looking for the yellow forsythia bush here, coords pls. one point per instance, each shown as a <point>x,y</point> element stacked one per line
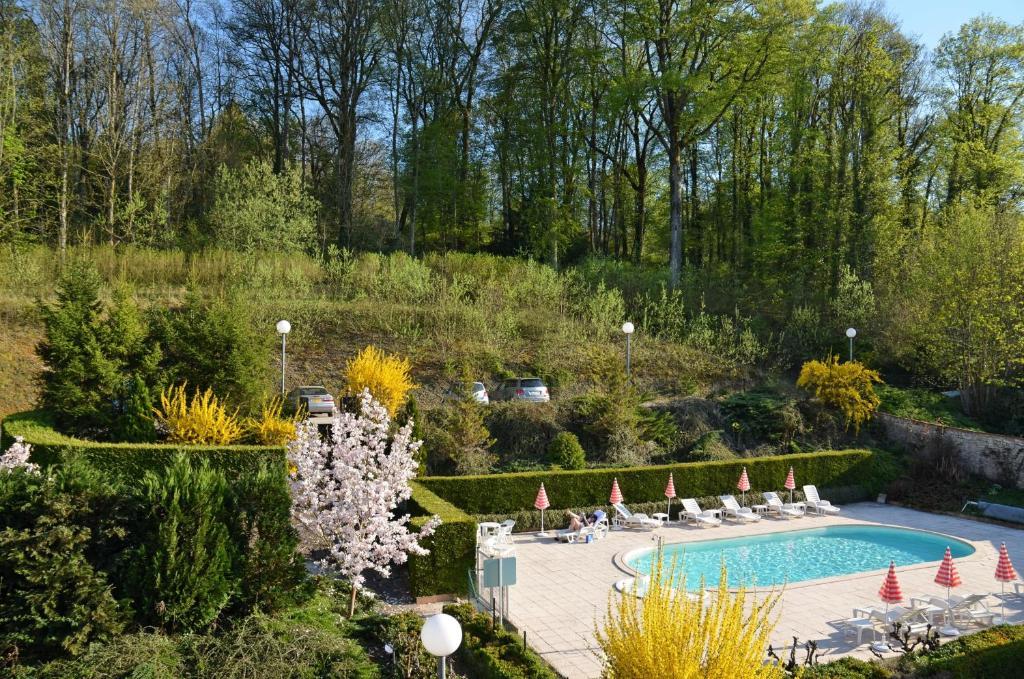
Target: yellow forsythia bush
<point>387,377</point>
<point>271,428</point>
<point>203,420</point>
<point>845,386</point>
<point>669,634</point>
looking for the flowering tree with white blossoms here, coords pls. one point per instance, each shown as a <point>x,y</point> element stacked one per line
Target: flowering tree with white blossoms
<point>17,457</point>
<point>346,487</point>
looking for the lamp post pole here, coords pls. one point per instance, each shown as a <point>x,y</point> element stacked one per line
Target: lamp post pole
<point>851,333</point>
<point>627,328</point>
<point>283,328</point>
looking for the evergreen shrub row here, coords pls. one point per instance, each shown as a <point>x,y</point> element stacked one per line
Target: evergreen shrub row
<point>445,570</point>
<point>506,493</point>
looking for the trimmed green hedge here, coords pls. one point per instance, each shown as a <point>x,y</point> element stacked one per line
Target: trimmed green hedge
<point>505,493</point>
<point>128,461</point>
<point>445,570</point>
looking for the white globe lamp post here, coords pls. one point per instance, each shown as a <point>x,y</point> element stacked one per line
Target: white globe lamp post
<point>441,636</point>
<point>851,333</point>
<point>283,328</point>
<point>627,328</point>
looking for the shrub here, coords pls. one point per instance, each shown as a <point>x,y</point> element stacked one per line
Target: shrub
<point>459,440</point>
<point>402,632</point>
<point>271,428</point>
<point>204,420</point>
<point>501,493</point>
<point>213,344</point>
<point>387,377</point>
<point>522,431</point>
<point>445,568</point>
<point>847,387</point>
<point>761,415</point>
<point>269,566</point>
<point>135,424</point>
<point>667,634</point>
<point>54,530</point>
<point>566,452</point>
<point>182,573</point>
<point>489,652</point>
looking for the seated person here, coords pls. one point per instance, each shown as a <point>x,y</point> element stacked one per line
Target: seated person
<point>576,522</point>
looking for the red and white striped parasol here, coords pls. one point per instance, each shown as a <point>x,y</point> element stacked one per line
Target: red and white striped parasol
<point>616,496</point>
<point>670,492</point>
<point>947,575</point>
<point>1004,569</point>
<point>542,503</point>
<point>743,485</point>
<point>1004,574</point>
<point>890,592</point>
<point>790,484</point>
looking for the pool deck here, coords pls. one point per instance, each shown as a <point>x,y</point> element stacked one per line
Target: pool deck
<point>563,589</point>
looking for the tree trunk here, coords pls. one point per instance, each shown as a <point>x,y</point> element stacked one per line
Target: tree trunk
<point>675,181</point>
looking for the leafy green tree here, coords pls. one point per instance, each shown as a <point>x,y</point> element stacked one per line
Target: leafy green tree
<point>958,308</point>
<point>255,209</point>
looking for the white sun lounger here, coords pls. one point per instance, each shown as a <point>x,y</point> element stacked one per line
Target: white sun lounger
<point>965,610</point>
<point>732,508</point>
<point>816,503</point>
<point>701,517</point>
<point>784,511</point>
<point>631,520</point>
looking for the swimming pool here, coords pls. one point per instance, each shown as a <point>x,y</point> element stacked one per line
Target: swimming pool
<point>799,555</point>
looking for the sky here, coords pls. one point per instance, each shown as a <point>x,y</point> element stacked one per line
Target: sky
<point>931,19</point>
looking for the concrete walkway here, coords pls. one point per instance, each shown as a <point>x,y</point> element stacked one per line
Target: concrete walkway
<point>563,590</point>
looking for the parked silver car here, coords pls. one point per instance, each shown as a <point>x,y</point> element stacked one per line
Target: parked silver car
<point>315,400</point>
<point>474,390</point>
<point>530,389</point>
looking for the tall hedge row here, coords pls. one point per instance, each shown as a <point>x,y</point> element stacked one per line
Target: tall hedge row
<point>445,570</point>
<point>505,493</point>
<point>130,461</point>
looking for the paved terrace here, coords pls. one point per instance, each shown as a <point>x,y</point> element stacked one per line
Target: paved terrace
<point>563,589</point>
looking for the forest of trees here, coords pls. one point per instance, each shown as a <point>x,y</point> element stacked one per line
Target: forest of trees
<point>749,134</point>
<point>802,158</point>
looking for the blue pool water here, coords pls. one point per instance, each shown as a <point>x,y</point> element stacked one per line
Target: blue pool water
<point>795,556</point>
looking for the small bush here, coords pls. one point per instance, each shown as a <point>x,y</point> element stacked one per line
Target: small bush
<point>271,428</point>
<point>204,420</point>
<point>387,377</point>
<point>847,387</point>
<point>566,452</point>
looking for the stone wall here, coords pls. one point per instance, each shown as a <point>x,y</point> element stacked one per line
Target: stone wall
<point>998,458</point>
